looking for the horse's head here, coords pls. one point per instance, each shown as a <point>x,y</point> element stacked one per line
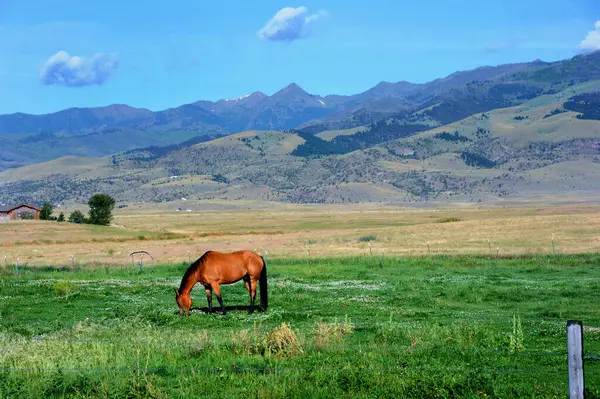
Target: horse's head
<point>184,301</point>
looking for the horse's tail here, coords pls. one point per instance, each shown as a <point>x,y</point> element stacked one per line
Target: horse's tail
<point>262,281</point>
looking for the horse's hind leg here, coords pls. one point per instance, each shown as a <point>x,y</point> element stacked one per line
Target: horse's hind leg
<point>252,295</point>
<point>247,283</point>
<point>217,289</point>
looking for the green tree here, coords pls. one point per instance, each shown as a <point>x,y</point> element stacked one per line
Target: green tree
<point>61,217</point>
<point>46,211</point>
<point>77,217</point>
<point>101,206</point>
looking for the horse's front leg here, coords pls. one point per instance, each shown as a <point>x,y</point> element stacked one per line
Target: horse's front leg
<point>217,289</point>
<point>209,297</point>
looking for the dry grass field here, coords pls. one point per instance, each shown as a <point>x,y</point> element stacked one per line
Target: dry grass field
<point>285,230</point>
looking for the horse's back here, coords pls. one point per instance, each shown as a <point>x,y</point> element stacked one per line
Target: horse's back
<point>243,256</point>
<point>233,265</point>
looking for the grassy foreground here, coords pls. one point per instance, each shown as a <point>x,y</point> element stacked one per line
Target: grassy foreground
<point>420,327</point>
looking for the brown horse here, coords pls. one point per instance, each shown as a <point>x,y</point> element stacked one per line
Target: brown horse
<point>215,268</point>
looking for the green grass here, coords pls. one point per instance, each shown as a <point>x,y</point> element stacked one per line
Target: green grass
<point>420,327</point>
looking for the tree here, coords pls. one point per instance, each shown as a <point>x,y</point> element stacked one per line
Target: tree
<point>46,211</point>
<point>101,206</point>
<point>61,217</point>
<point>77,217</point>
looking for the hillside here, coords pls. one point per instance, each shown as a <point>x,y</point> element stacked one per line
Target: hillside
<point>548,145</point>
<point>101,131</point>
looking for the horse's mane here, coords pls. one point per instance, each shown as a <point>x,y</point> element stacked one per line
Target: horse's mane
<point>192,269</point>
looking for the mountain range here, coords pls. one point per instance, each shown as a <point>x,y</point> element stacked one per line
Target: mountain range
<point>291,107</point>
<point>104,130</point>
<point>461,135</point>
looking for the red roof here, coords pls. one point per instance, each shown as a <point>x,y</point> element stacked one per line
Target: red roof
<point>12,208</point>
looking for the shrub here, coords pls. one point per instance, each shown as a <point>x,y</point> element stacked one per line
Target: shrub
<point>326,333</point>
<point>198,347</point>
<point>46,211</point>
<point>77,217</point>
<point>101,206</point>
<point>249,341</point>
<point>451,137</point>
<point>367,238</point>
<point>448,220</point>
<point>587,104</point>
<point>283,341</point>
<point>220,179</point>
<point>63,288</point>
<point>554,112</point>
<point>477,160</point>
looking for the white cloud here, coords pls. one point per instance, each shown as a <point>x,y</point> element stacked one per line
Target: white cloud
<point>592,41</point>
<point>72,71</point>
<point>289,24</point>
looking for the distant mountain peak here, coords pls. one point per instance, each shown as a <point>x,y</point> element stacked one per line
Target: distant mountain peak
<point>257,95</point>
<point>292,85</point>
<point>385,83</point>
<point>291,88</point>
<point>238,98</point>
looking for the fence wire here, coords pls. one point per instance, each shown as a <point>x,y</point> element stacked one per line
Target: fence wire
<point>217,370</point>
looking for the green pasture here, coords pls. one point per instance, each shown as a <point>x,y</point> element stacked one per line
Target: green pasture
<point>418,327</point>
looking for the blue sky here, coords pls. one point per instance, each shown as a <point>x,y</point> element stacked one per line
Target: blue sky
<point>160,54</point>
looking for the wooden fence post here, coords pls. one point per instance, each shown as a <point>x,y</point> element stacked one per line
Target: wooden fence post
<point>575,358</point>
<point>382,257</point>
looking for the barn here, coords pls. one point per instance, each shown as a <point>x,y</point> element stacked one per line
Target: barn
<point>21,211</point>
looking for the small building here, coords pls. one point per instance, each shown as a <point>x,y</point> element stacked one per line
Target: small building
<point>21,211</point>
